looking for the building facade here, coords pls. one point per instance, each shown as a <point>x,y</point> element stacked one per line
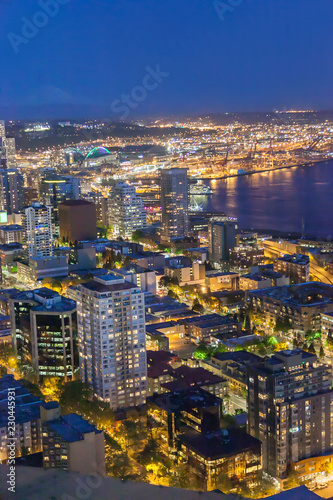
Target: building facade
<point>43,329</point>
<point>72,443</point>
<point>296,266</point>
<point>12,233</point>
<point>112,343</point>
<point>37,222</point>
<point>126,210</point>
<point>221,237</point>
<point>302,304</point>
<point>11,190</point>
<point>77,220</point>
<point>290,408</point>
<point>174,203</point>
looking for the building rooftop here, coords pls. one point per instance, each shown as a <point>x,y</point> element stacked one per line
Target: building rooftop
<point>193,320</point>
<point>9,247</point>
<point>159,326</point>
<point>75,203</point>
<point>100,287</point>
<point>71,428</point>
<point>283,363</point>
<point>160,357</point>
<point>223,320</point>
<point>11,227</point>
<point>238,357</point>
<point>185,399</point>
<point>330,314</point>
<point>216,274</point>
<point>45,300</point>
<point>196,376</point>
<point>27,406</point>
<point>298,258</point>
<point>223,443</point>
<point>313,293</point>
<point>131,269</point>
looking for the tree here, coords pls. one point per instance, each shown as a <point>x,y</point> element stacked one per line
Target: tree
<point>33,388</point>
<point>202,352</point>
<point>270,341</point>
<point>311,348</point>
<point>120,466</point>
<point>247,323</point>
<point>52,388</point>
<point>75,393</point>
<point>137,236</point>
<point>321,352</point>
<point>173,294</point>
<point>292,480</point>
<point>164,282</point>
<point>283,325</point>
<point>221,348</point>
<point>197,307</point>
<point>48,282</point>
<point>127,260</point>
<point>224,483</point>
<point>57,286</point>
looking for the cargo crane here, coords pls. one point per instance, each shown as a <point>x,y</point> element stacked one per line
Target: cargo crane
<point>226,156</point>
<point>314,143</point>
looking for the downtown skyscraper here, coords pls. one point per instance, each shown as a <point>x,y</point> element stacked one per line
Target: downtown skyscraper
<point>112,340</point>
<point>37,222</point>
<point>174,203</point>
<point>126,210</point>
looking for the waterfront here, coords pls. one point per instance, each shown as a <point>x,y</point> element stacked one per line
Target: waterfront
<point>278,200</point>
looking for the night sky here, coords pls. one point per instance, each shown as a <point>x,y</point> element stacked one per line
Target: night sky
<point>257,55</point>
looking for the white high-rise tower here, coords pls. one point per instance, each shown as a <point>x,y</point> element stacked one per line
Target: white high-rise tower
<point>38,231</point>
<point>112,340</point>
<point>126,210</point>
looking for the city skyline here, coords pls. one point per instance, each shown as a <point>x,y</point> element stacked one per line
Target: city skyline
<point>166,250</point>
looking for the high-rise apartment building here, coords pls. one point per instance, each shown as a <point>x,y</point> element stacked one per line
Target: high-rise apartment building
<point>55,189</point>
<point>101,203</point>
<point>290,408</point>
<point>3,154</point>
<point>43,328</point>
<point>37,221</point>
<point>11,190</point>
<point>222,238</point>
<point>7,148</point>
<point>2,128</point>
<point>11,151</point>
<point>112,341</point>
<point>126,210</point>
<point>174,203</point>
